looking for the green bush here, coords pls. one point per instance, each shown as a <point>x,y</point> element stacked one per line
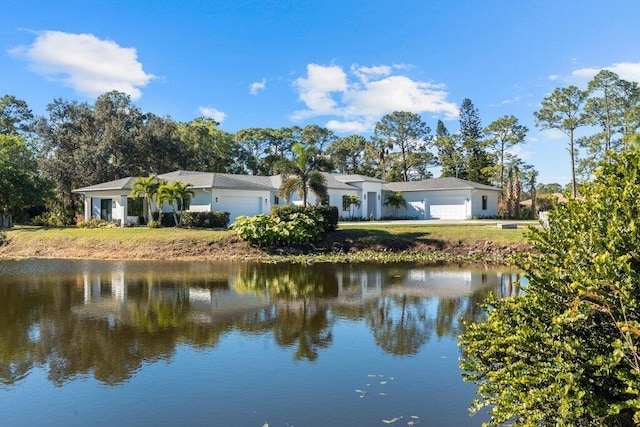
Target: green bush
<point>153,224</point>
<point>167,219</point>
<point>566,352</point>
<point>266,231</point>
<point>205,219</point>
<point>3,238</point>
<point>326,215</point>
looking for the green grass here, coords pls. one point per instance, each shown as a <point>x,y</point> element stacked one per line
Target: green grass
<point>141,234</point>
<point>464,233</point>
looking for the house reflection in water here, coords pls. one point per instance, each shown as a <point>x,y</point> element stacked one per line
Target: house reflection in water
<point>355,284</point>
<point>108,297</point>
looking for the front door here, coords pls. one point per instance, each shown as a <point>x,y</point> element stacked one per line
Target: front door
<point>371,205</point>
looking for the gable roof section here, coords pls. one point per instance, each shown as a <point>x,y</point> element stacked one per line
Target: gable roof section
<point>437,184</point>
<point>347,178</point>
<point>219,180</point>
<point>118,184</point>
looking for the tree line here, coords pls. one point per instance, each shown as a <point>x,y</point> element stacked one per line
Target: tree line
<point>77,144</point>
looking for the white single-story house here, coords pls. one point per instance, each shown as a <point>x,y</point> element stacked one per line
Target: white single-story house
<point>436,198</point>
<point>445,198</point>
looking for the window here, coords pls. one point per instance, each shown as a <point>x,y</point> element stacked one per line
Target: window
<point>346,203</point>
<point>484,203</point>
<point>134,207</point>
<point>276,200</point>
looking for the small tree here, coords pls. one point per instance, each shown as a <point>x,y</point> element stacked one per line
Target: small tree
<point>396,201</point>
<point>183,195</point>
<point>146,188</point>
<point>176,193</point>
<point>300,175</point>
<point>352,202</point>
<point>565,352</point>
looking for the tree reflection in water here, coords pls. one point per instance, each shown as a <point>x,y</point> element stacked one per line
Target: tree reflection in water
<point>108,323</point>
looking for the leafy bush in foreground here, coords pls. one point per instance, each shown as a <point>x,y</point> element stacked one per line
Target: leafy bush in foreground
<point>566,351</point>
<point>327,215</point>
<point>272,231</point>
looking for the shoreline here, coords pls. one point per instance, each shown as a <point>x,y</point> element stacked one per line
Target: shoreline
<point>346,245</point>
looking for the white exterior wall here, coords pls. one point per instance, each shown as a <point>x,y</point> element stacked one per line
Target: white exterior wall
<point>492,204</point>
<point>201,201</point>
<point>221,201</point>
<point>421,204</point>
<point>335,199</point>
<point>367,189</point>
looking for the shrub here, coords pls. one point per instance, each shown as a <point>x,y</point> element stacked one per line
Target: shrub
<point>205,219</point>
<point>153,224</point>
<point>298,228</point>
<point>326,215</point>
<point>167,220</point>
<point>3,238</point>
<point>566,351</point>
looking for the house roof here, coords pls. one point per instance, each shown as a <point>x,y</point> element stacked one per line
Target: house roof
<point>272,183</point>
<point>346,178</point>
<point>220,180</point>
<point>118,184</point>
<point>436,184</point>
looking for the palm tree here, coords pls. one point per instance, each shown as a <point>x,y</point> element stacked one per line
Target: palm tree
<point>300,176</point>
<point>183,195</point>
<point>146,188</point>
<point>396,201</point>
<point>175,192</point>
<point>352,202</point>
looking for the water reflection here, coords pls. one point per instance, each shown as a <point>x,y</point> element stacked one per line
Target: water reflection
<point>106,320</point>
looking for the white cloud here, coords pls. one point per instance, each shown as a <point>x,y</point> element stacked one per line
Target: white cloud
<point>87,64</point>
<point>211,112</point>
<point>348,127</point>
<point>316,90</point>
<point>626,70</point>
<point>371,93</point>
<point>553,77</point>
<point>520,151</point>
<point>256,87</point>
<point>367,73</point>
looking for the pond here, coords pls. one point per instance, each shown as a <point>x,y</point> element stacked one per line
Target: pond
<point>236,344</point>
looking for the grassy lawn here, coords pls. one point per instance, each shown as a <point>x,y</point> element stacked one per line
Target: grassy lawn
<point>142,234</point>
<point>176,243</point>
<point>454,233</point>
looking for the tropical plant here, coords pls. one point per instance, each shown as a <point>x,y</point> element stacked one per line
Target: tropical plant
<point>174,193</point>
<point>396,201</point>
<point>565,352</point>
<point>352,202</point>
<point>146,188</point>
<point>300,176</point>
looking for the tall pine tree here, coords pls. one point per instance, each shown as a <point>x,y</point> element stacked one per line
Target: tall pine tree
<point>477,159</point>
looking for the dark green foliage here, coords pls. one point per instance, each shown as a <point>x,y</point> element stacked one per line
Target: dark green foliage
<point>205,219</point>
<point>328,215</point>
<point>287,226</point>
<point>269,231</point>
<point>166,220</point>
<point>566,351</point>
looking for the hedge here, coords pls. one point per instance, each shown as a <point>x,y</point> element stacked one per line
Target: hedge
<point>205,219</point>
<point>196,219</point>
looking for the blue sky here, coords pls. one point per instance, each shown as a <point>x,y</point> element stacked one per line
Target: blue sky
<point>339,64</point>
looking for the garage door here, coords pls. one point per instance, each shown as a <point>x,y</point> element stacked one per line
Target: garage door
<point>237,206</point>
<point>447,208</point>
